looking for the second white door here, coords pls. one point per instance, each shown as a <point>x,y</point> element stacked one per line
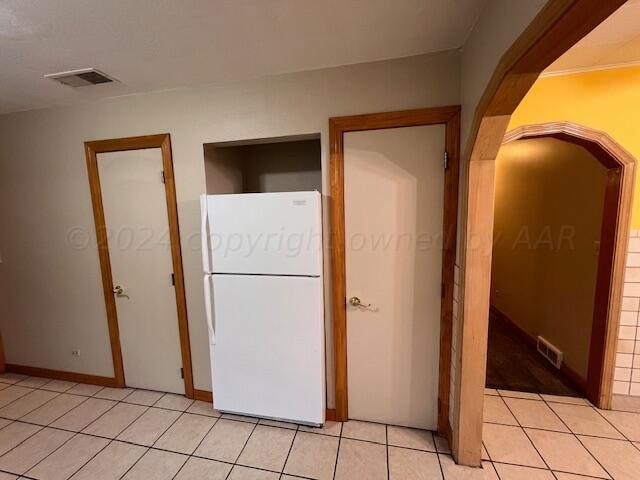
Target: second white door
<point>135,208</point>
<point>394,194</point>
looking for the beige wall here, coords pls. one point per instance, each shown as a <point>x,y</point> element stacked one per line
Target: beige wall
<point>548,216</point>
<point>499,25</point>
<point>50,290</point>
<point>283,167</point>
<point>223,170</point>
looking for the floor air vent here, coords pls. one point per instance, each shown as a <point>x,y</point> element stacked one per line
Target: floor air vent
<point>81,78</point>
<point>548,351</point>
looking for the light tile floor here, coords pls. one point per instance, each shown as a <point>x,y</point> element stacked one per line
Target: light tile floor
<point>53,430</point>
<point>530,436</point>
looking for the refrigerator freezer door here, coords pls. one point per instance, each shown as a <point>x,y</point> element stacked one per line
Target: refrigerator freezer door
<point>268,359</point>
<point>266,233</point>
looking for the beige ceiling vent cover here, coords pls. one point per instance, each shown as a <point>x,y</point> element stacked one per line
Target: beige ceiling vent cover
<point>81,78</point>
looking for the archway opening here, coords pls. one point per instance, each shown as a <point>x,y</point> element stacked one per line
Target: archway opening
<point>561,217</point>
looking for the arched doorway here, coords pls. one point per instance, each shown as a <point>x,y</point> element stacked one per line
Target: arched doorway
<point>558,27</point>
<point>619,168</point>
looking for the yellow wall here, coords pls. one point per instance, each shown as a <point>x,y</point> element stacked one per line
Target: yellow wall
<point>607,100</point>
<point>547,220</point>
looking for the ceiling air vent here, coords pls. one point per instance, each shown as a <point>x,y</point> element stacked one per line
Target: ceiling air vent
<point>81,78</point>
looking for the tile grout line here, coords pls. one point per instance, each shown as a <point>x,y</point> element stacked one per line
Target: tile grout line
<point>593,456</point>
<point>525,433</point>
<point>41,428</point>
<point>570,432</point>
<point>115,439</point>
<point>33,410</point>
<point>242,450</point>
<point>150,447</point>
<point>578,438</point>
<point>153,405</point>
<point>624,437</point>
<point>48,455</point>
<point>635,352</point>
<point>433,437</point>
<point>556,431</point>
<point>545,470</point>
<point>30,411</point>
<point>486,450</point>
<point>146,409</point>
<point>75,433</point>
<point>81,466</point>
<point>111,440</point>
<point>192,454</point>
<point>289,452</point>
<point>335,467</point>
<point>386,441</point>
<point>87,398</point>
<point>17,398</point>
<point>183,412</point>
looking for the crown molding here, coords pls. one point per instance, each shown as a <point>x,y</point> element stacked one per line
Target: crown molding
<point>595,68</point>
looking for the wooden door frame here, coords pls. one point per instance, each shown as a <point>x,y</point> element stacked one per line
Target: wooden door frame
<point>162,141</point>
<point>559,25</point>
<point>338,126</point>
<point>614,238</point>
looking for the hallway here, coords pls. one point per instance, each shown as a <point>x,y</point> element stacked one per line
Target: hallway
<point>513,364</point>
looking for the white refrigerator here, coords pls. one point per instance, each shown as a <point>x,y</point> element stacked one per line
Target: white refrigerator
<point>262,259</point>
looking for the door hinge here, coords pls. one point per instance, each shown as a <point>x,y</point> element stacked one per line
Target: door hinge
<point>164,180</point>
<point>446,160</point>
<point>181,372</point>
<point>173,279</point>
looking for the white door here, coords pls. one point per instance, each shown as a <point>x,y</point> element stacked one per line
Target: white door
<point>135,209</point>
<point>394,197</point>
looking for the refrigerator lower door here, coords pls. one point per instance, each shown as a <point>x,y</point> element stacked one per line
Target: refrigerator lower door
<point>208,307</point>
<point>268,359</point>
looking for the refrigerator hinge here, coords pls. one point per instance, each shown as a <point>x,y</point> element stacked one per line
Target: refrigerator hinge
<point>173,279</point>
<point>164,180</point>
<point>446,159</point>
<point>181,372</point>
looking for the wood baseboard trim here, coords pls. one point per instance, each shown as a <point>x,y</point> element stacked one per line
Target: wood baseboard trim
<point>330,415</point>
<point>61,375</point>
<point>567,372</point>
<point>571,375</point>
<point>448,435</point>
<point>203,395</point>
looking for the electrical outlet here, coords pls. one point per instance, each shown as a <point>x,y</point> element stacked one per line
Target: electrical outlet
<point>75,353</point>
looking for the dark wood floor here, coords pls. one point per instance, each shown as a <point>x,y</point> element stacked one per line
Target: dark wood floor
<point>513,364</point>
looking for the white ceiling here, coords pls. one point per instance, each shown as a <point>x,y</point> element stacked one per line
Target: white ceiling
<point>159,44</point>
<point>614,42</point>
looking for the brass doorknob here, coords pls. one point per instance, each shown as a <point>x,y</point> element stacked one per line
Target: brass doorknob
<point>356,302</point>
<point>118,290</point>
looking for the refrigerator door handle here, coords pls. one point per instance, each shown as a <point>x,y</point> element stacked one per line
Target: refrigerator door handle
<point>208,309</point>
<point>204,233</point>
